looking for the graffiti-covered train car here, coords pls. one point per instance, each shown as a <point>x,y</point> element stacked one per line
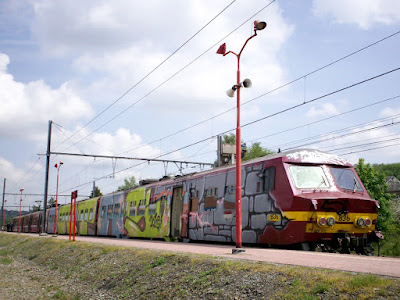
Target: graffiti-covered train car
<point>299,198</point>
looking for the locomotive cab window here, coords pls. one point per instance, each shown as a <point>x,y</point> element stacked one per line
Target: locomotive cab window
<point>309,177</point>
<point>346,179</point>
<point>269,179</point>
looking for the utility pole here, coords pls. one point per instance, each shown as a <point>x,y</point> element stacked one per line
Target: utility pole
<point>46,179</point>
<point>2,204</point>
<point>94,189</point>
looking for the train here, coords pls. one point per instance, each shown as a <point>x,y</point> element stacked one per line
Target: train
<point>302,199</point>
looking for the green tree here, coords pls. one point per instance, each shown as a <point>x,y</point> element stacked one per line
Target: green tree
<point>97,192</point>
<point>51,202</point>
<point>229,139</point>
<point>129,183</point>
<point>388,169</point>
<point>374,182</point>
<point>256,150</point>
<point>35,208</point>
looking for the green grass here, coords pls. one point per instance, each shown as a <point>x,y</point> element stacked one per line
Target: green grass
<point>5,261</point>
<point>132,273</point>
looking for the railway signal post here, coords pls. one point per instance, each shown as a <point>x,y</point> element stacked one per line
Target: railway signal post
<point>246,83</point>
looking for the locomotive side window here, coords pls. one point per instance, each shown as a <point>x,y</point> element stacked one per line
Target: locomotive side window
<point>229,197</point>
<point>269,179</point>
<point>142,207</point>
<point>346,179</point>
<point>308,177</point>
<point>194,198</point>
<point>132,210</point>
<point>116,209</point>
<point>210,200</point>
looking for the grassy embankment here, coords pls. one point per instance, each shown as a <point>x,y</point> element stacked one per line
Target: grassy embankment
<point>129,273</point>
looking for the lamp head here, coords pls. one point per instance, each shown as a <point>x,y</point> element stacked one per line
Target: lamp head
<point>222,49</point>
<point>259,25</point>
<point>231,91</point>
<point>55,166</point>
<point>247,83</point>
<point>21,190</point>
<point>61,163</point>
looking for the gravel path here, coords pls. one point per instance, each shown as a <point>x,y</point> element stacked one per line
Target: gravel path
<point>387,266</point>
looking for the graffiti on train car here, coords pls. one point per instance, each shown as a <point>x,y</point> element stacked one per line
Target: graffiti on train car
<point>146,213</point>
<point>215,218</point>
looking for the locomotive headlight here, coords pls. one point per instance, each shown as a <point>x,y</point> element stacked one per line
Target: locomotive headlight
<point>367,222</point>
<point>322,221</point>
<point>360,222</point>
<point>330,221</point>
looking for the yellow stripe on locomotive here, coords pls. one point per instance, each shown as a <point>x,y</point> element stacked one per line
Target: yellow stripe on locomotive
<point>332,222</point>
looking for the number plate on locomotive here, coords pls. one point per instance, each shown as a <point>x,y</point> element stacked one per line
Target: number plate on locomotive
<point>273,217</point>
<point>344,218</point>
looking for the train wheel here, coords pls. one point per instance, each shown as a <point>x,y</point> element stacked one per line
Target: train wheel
<point>308,246</point>
<point>327,247</point>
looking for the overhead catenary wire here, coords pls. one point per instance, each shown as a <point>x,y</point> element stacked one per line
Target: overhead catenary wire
<point>172,76</point>
<point>148,74</point>
<point>263,118</point>
<point>325,119</point>
<point>270,91</point>
<point>186,66</point>
<point>308,140</point>
<point>370,149</point>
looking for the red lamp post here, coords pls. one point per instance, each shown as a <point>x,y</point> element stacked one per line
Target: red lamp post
<point>246,83</point>
<point>19,219</point>
<point>4,215</point>
<point>55,217</point>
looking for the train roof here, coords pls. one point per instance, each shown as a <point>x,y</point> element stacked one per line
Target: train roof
<point>302,156</point>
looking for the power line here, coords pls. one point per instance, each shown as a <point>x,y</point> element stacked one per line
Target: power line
<point>368,144</point>
<point>129,158</point>
<point>175,74</point>
<point>370,149</point>
<point>270,91</point>
<point>370,123</point>
<point>321,97</point>
<point>263,118</point>
<point>345,135</point>
<point>325,119</point>
<point>38,194</point>
<point>141,80</point>
<point>170,76</point>
<point>26,173</point>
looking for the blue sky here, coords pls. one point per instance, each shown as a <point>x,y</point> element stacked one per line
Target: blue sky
<point>67,61</point>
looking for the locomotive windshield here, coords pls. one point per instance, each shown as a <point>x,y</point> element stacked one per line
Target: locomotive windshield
<point>308,177</point>
<point>346,179</point>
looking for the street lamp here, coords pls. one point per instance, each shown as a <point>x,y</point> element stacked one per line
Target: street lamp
<point>4,215</point>
<point>258,25</point>
<point>58,175</point>
<point>19,219</point>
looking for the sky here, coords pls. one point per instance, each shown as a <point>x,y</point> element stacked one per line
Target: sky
<point>142,79</point>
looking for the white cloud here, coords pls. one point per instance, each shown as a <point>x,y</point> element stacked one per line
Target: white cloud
<point>112,45</point>
<point>326,109</point>
<point>363,13</point>
<point>390,112</point>
<point>26,108</point>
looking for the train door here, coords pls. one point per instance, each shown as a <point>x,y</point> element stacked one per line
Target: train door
<point>176,212</point>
